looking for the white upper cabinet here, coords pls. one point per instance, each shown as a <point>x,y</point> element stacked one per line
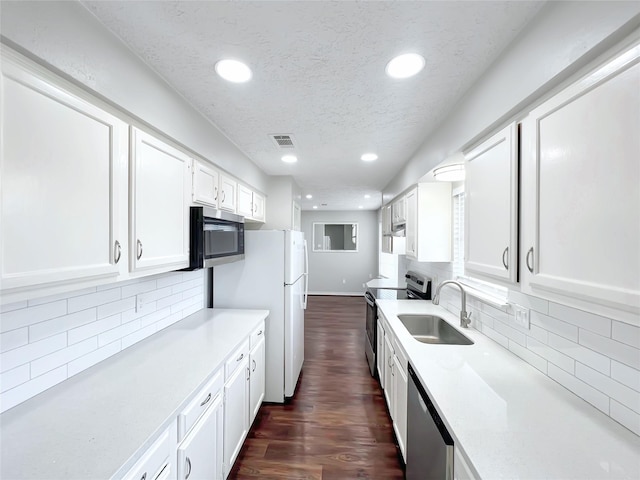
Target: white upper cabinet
<point>491,207</point>
<point>250,204</point>
<point>63,184</point>
<point>205,184</point>
<point>161,186</point>
<point>581,172</point>
<point>428,227</point>
<point>228,188</point>
<point>398,212</point>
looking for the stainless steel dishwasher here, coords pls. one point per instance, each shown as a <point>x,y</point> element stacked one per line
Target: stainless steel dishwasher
<point>429,445</point>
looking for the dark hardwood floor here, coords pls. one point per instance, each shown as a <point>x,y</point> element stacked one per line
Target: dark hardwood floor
<point>336,426</point>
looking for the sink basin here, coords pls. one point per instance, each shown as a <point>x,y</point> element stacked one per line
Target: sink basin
<point>433,329</point>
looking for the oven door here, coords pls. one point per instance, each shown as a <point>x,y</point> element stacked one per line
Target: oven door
<point>371,327</point>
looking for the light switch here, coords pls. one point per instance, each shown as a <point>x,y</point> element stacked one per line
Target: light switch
<point>521,316</point>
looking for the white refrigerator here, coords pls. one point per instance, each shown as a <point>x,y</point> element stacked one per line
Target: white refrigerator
<point>273,276</point>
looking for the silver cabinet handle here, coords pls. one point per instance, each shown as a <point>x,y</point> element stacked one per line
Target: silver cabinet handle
<point>240,357</point>
<point>215,189</point>
<point>223,195</point>
<point>504,258</point>
<point>248,373</point>
<point>259,333</point>
<point>117,252</point>
<point>530,255</point>
<point>188,464</point>
<point>144,476</point>
<point>206,400</point>
<point>254,366</point>
<point>139,249</point>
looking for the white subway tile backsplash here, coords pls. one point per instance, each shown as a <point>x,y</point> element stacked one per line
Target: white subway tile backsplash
<point>28,316</point>
<point>116,307</point>
<point>495,313</point>
<point>495,336</point>
<point>20,356</point>
<point>86,361</point>
<point>528,356</point>
<point>611,348</point>
<point>46,340</point>
<point>585,355</point>
<point>580,388</point>
<point>14,377</point>
<point>29,389</point>
<point>528,301</point>
<point>511,333</point>
<point>116,333</point>
<point>554,356</point>
<point>625,395</point>
<point>60,296</point>
<point>137,288</point>
<point>14,339</point>
<point>92,329</point>
<point>580,318</point>
<point>625,333</point>
<point>62,357</point>
<point>48,328</point>
<point>554,325</point>
<point>625,416</point>
<point>93,299</point>
<point>625,375</point>
<point>539,333</point>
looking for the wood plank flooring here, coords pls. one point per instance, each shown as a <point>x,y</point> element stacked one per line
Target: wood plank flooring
<point>337,425</point>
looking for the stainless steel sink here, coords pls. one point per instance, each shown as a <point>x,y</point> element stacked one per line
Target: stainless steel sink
<point>433,329</point>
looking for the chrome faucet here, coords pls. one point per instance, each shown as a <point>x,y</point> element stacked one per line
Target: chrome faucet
<point>465,318</point>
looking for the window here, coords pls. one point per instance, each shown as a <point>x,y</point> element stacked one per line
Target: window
<point>458,233</point>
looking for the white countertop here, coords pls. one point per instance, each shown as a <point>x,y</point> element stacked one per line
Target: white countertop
<point>509,419</point>
<point>386,283</point>
<point>91,425</point>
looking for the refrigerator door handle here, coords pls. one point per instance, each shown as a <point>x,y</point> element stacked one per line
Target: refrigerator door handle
<point>306,275</point>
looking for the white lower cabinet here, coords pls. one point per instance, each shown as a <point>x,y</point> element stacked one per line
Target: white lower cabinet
<point>400,388</point>
<point>388,373</point>
<point>380,352</point>
<point>155,463</point>
<point>236,412</point>
<point>200,453</point>
<point>256,378</point>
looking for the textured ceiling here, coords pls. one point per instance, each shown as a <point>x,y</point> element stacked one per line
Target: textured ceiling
<point>318,74</point>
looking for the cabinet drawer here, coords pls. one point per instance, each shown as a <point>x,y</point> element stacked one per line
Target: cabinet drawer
<point>154,464</point>
<point>235,359</point>
<point>199,404</point>
<point>257,335</point>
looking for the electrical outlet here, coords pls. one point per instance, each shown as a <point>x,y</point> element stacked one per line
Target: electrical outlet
<point>521,316</point>
<point>139,303</point>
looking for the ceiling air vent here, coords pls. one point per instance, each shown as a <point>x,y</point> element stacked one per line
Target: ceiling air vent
<point>283,140</point>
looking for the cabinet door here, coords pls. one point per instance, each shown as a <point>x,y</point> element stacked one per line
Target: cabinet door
<point>62,182</point>
<point>159,211</point>
<point>582,200</point>
<point>411,229</point>
<point>380,353</point>
<point>245,201</point>
<point>199,455</point>
<point>400,385</point>
<point>155,463</point>
<point>205,184</point>
<point>236,413</point>
<point>388,374</point>
<point>227,193</point>
<point>258,207</point>
<point>386,219</point>
<point>398,210</point>
<point>491,207</point>
<point>257,378</point>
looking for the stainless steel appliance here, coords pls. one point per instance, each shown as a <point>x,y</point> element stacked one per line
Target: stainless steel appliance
<point>429,445</point>
<point>418,288</point>
<point>215,237</point>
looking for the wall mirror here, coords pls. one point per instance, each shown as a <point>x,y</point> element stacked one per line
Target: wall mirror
<point>335,237</point>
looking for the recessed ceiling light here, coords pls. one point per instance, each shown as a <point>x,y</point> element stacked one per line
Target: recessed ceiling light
<point>233,71</point>
<point>315,206</point>
<point>369,157</point>
<point>367,196</point>
<point>309,195</point>
<point>405,66</point>
<point>360,206</point>
<point>289,159</point>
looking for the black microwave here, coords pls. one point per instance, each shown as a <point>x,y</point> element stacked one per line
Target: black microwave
<point>215,237</point>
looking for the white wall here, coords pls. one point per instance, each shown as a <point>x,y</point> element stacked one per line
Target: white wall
<point>44,341</point>
<point>327,270</point>
<point>66,36</point>
<point>563,37</point>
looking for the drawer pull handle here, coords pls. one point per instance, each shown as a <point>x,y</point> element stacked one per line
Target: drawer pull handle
<point>160,472</point>
<point>188,461</point>
<point>144,476</point>
<point>206,400</point>
<point>240,357</point>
